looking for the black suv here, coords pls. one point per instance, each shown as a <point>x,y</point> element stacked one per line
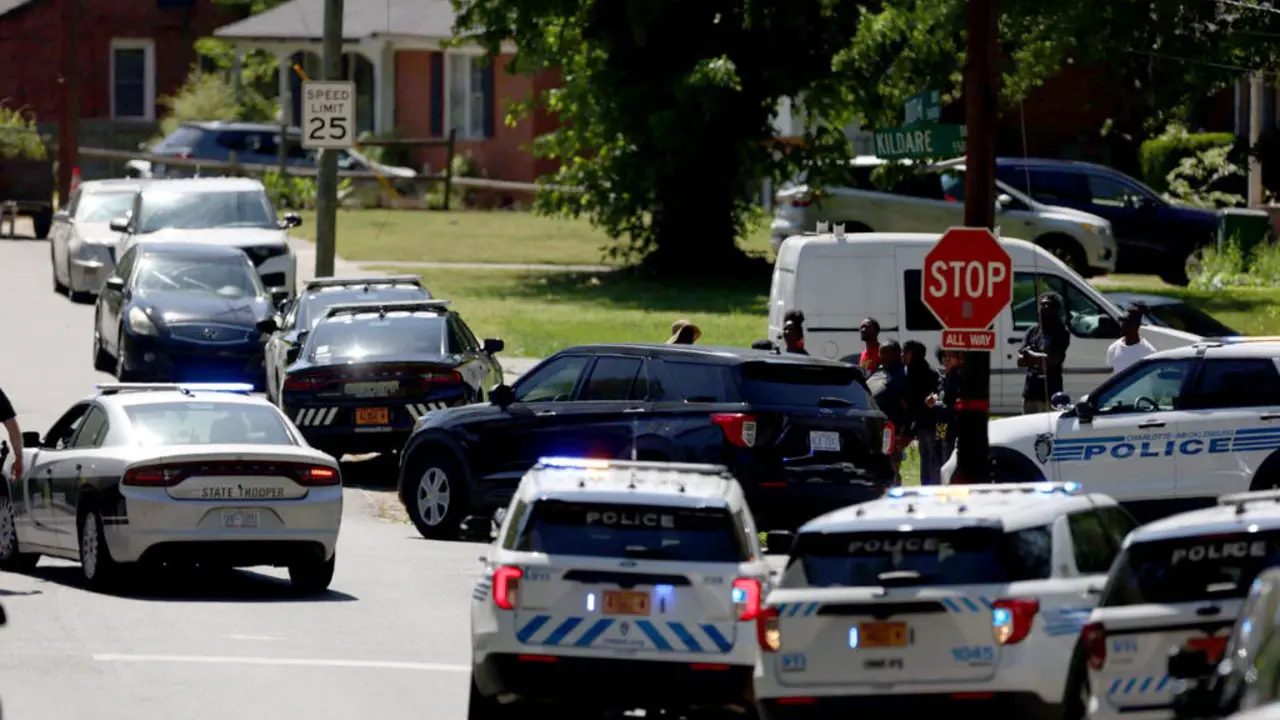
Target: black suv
<point>801,434</point>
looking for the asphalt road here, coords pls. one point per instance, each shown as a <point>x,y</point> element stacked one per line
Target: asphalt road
<point>390,641</point>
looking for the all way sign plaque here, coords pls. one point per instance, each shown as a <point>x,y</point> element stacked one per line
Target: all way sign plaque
<point>969,340</point>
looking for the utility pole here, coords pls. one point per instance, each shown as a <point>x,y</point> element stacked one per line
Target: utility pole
<point>327,181</point>
<point>69,124</point>
<point>981,95</point>
<point>1256,89</point>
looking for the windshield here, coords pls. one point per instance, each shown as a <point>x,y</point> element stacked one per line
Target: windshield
<point>785,384</point>
<point>965,556</point>
<point>1192,569</point>
<point>556,527</point>
<point>206,210</point>
<point>1187,318</point>
<point>104,207</point>
<point>229,277</point>
<point>207,423</point>
<point>396,335</point>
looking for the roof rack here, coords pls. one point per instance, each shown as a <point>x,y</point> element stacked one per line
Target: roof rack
<point>545,463</point>
<point>382,308</point>
<point>329,282</point>
<point>956,491</point>
<point>185,388</point>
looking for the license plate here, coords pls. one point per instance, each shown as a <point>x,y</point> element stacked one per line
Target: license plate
<point>824,441</point>
<point>372,416</point>
<point>626,602</point>
<point>372,389</point>
<point>239,519</point>
<point>882,634</point>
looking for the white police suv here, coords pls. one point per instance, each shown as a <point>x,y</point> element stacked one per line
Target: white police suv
<point>968,599</point>
<point>617,586</point>
<point>1169,434</point>
<point>1178,584</point>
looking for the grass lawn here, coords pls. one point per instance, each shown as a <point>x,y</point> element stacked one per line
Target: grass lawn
<point>539,312</point>
<point>473,237</point>
<point>1252,311</point>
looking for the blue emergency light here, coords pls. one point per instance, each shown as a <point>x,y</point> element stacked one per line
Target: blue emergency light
<point>570,462</point>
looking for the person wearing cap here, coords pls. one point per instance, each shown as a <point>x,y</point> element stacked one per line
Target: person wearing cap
<point>1131,347</point>
<point>683,332</point>
<point>1044,349</point>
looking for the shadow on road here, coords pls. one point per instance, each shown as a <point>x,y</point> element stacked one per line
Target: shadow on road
<point>375,472</point>
<point>197,585</point>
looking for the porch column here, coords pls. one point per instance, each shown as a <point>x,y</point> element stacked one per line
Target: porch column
<point>376,53</point>
<point>286,103</point>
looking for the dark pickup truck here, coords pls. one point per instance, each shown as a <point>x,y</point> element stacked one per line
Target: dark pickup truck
<point>29,184</point>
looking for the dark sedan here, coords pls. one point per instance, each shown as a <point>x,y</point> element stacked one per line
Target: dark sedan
<point>173,312</point>
<point>1170,312</point>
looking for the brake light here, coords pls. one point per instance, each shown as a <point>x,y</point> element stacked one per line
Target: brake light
<point>746,598</point>
<point>444,377</point>
<point>506,586</point>
<point>304,383</point>
<point>319,476</point>
<point>887,437</point>
<point>768,634</point>
<point>152,476</point>
<point>802,201</point>
<point>1212,647</point>
<point>1094,639</point>
<point>739,428</point>
<point>1011,619</point>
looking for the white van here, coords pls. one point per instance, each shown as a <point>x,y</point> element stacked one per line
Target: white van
<point>838,279</point>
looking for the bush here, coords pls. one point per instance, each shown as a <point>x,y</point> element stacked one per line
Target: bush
<point>19,137</point>
<point>1160,155</point>
<point>1231,267</point>
<point>296,193</point>
<point>203,97</point>
<point>1199,180</point>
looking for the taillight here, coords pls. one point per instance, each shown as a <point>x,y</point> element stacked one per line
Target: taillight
<point>746,598</point>
<point>444,377</point>
<point>1011,619</point>
<point>768,634</point>
<point>887,438</point>
<point>506,586</point>
<point>1094,639</point>
<point>802,201</point>
<point>319,476</point>
<point>739,428</point>
<point>152,476</point>
<point>304,383</point>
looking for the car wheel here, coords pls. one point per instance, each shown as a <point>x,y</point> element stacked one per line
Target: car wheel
<point>99,570</point>
<point>102,360</point>
<point>1181,271</point>
<point>58,287</point>
<point>313,577</point>
<point>122,374</point>
<point>1067,250</point>
<point>436,497</point>
<point>480,707</point>
<point>11,560</point>
<point>42,222</point>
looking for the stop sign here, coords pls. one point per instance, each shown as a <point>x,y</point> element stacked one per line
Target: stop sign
<point>968,279</point>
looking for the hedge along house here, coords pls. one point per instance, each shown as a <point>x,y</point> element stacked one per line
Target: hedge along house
<point>408,85</point>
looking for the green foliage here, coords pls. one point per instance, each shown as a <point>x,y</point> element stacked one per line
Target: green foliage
<point>1197,179</point>
<point>296,193</point>
<point>463,165</point>
<point>204,96</point>
<point>259,70</point>
<point>19,137</point>
<point>1163,154</point>
<point>1232,267</point>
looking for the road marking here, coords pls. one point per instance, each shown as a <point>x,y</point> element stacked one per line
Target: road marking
<point>303,662</point>
<point>254,637</point>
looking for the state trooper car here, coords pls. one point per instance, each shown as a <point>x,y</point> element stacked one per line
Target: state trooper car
<point>199,473</point>
<point>617,585</point>
<point>966,599</point>
<point>1178,584</point>
<point>1169,434</point>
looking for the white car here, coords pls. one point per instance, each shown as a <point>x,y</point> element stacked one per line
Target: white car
<point>1178,584</point>
<point>617,586</point>
<point>82,245</point>
<point>172,473</point>
<point>931,200</point>
<point>965,600</point>
<point>1170,433</point>
<point>222,211</point>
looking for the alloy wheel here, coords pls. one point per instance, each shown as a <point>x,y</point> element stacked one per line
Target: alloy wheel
<point>433,496</point>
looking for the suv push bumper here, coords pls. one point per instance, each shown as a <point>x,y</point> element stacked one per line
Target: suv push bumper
<point>1022,705</point>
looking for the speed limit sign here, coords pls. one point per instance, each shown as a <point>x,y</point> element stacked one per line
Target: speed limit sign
<point>328,114</point>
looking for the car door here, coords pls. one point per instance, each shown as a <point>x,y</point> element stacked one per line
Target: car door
<point>71,467</point>
<point>605,418</point>
<point>1232,425</point>
<point>60,234</point>
<point>111,301</point>
<point>493,369</point>
<point>277,348</point>
<point>39,480</point>
<point>1128,448</point>
<point>1120,202</point>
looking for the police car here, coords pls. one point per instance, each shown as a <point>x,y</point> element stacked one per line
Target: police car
<point>618,586</point>
<point>1169,434</point>
<point>1178,584</point>
<point>966,599</point>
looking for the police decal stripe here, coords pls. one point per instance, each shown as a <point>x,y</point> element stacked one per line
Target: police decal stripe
<point>654,636</point>
<point>1138,685</point>
<point>1155,445</point>
<point>682,638</point>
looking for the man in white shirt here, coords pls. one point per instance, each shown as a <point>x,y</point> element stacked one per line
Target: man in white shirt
<point>1131,347</point>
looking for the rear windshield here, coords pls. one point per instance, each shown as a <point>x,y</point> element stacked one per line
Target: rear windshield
<point>206,423</point>
<point>1193,569</point>
<point>396,335</point>
<point>312,311</point>
<point>557,527</point>
<point>808,385</point>
<point>967,556</point>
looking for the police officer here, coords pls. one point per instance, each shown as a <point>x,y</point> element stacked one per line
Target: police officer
<point>10,420</point>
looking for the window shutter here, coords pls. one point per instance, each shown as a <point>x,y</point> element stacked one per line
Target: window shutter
<point>486,87</point>
<point>437,94</point>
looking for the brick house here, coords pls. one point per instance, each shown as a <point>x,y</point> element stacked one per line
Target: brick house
<point>407,84</point>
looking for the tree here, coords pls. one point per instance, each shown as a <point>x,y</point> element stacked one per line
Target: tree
<point>258,70</point>
<point>666,109</point>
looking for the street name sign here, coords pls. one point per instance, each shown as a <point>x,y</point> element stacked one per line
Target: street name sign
<point>328,115</point>
<point>924,107</point>
<point>925,141</point>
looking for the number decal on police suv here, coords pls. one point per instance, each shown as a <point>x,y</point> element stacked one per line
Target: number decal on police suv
<point>974,654</point>
<point>537,576</point>
<point>793,662</point>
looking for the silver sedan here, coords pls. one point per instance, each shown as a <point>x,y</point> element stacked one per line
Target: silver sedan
<point>173,474</point>
<point>81,241</point>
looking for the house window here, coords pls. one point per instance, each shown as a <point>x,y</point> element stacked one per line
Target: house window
<point>133,79</point>
<point>467,95</point>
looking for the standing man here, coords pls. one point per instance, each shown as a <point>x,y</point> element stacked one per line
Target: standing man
<point>793,332</point>
<point>870,358</point>
<point>1044,349</point>
<point>10,420</point>
<point>1131,347</point>
<point>890,389</point>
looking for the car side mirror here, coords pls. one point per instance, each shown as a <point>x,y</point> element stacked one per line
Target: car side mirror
<point>268,326</point>
<point>1108,327</point>
<point>1189,664</point>
<point>290,221</point>
<point>115,283</point>
<point>502,395</point>
<point>120,224</point>
<point>1060,401</point>
<point>478,528</point>
<point>1085,409</point>
<point>4,617</point>
<point>493,345</point>
<point>1003,200</point>
<point>31,439</point>
<point>778,542</point>
<point>280,298</point>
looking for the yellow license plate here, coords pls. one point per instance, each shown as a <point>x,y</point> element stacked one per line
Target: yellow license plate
<point>883,634</point>
<point>626,602</point>
<point>373,416</point>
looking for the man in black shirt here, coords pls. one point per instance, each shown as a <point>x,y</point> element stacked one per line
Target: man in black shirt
<point>10,420</point>
<point>1044,349</point>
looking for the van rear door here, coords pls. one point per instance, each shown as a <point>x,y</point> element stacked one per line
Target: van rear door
<point>837,285</point>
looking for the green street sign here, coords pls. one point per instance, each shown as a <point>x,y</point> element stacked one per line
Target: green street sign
<point>924,107</point>
<point>926,141</point>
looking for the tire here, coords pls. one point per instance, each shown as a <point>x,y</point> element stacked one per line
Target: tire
<point>122,375</point>
<point>1067,250</point>
<point>11,560</point>
<point>1184,267</point>
<point>98,569</point>
<point>102,360</point>
<point>1075,697</point>
<point>42,222</point>
<point>435,493</point>
<point>313,577</point>
<point>58,287</point>
<point>480,707</point>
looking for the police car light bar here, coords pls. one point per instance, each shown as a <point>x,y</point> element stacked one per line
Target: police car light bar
<point>601,464</point>
<point>361,281</point>
<point>1248,497</point>
<point>386,307</point>
<point>113,388</point>
<point>1048,488</point>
